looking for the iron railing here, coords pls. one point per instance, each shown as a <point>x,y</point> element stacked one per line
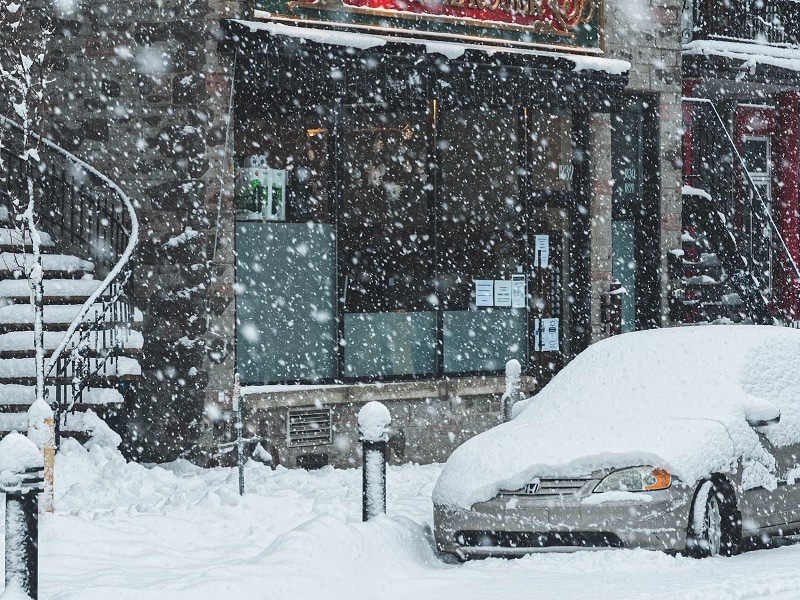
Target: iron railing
<point>762,21</point>
<point>764,260</point>
<point>81,208</point>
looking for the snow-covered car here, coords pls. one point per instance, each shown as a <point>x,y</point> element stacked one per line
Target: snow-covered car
<point>679,439</point>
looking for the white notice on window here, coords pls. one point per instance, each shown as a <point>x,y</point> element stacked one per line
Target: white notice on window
<point>502,292</point>
<point>547,339</point>
<point>518,291</point>
<point>541,251</point>
<point>484,292</point>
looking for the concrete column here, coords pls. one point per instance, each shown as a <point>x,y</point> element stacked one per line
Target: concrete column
<point>600,238</point>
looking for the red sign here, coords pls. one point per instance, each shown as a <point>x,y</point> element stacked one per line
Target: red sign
<point>557,17</point>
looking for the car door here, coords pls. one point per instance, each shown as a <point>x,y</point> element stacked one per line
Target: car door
<point>764,507</point>
<point>788,470</point>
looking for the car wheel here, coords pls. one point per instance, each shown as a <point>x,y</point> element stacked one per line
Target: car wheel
<point>715,526</point>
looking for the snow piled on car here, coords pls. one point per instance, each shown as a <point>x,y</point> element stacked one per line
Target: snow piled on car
<point>672,398</point>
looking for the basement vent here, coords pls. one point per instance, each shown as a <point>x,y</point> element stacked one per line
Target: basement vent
<point>309,426</point>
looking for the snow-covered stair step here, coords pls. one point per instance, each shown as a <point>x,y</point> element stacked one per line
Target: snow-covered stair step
<point>79,424</point>
<point>23,370</point>
<point>19,344</point>
<point>55,265</point>
<point>19,317</point>
<point>56,291</point>
<point>22,396</point>
<point>13,240</point>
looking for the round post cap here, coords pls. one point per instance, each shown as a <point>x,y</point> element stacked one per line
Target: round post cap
<point>21,465</point>
<point>374,421</point>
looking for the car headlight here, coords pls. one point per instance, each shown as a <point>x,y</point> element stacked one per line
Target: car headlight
<point>635,479</point>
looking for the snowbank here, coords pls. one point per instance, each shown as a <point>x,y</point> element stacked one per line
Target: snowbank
<point>177,532</point>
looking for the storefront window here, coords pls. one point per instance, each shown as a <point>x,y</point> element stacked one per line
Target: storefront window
<point>375,242</point>
<point>386,243</point>
<point>282,167</point>
<point>285,244</point>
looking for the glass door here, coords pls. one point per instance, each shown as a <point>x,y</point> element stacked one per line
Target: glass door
<point>759,237</point>
<point>550,179</point>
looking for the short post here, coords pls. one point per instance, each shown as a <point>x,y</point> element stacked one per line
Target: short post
<point>42,432</point>
<point>512,394</point>
<point>612,307</point>
<point>21,480</point>
<point>373,426</point>
<point>239,426</point>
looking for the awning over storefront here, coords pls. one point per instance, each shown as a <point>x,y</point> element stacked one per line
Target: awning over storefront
<point>450,50</point>
<point>287,63</point>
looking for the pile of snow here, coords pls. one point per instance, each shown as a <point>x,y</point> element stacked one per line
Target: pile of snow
<point>178,532</point>
<point>672,398</point>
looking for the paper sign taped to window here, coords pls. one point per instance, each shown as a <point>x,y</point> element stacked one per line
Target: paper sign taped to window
<point>518,291</point>
<point>484,292</point>
<point>541,251</point>
<point>502,292</point>
<point>545,335</point>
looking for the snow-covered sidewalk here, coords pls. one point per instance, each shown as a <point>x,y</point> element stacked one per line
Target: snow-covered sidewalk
<point>124,531</point>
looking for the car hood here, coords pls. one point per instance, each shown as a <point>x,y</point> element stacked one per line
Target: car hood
<point>509,456</point>
<point>675,399</point>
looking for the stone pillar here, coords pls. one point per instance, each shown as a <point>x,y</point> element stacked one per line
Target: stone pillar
<point>146,98</point>
<point>648,35</point>
<point>601,183</point>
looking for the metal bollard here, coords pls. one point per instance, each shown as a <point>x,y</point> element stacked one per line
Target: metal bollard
<point>511,395</point>
<point>373,426</point>
<point>21,480</point>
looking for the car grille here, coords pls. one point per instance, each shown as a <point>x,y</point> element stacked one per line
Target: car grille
<point>550,488</point>
<point>534,539</point>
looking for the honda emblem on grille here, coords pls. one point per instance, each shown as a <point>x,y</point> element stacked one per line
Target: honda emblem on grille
<point>533,486</point>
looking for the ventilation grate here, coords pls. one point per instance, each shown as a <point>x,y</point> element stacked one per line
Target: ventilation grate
<point>309,426</point>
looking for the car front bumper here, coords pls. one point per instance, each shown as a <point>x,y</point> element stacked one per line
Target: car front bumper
<point>518,525</point>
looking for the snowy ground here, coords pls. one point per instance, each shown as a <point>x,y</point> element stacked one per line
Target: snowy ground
<point>123,531</point>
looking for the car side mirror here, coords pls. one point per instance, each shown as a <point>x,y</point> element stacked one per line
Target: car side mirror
<point>762,414</point>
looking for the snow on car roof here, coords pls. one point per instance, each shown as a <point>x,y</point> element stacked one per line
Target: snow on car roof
<point>674,398</point>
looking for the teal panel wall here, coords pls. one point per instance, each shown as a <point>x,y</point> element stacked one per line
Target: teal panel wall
<point>285,302</point>
<point>396,343</point>
<point>484,340</point>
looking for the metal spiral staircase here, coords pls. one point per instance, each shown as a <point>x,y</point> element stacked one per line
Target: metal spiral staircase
<point>89,234</point>
<point>734,265</point>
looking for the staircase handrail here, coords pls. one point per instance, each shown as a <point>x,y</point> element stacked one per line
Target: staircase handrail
<point>751,183</point>
<point>114,273</point>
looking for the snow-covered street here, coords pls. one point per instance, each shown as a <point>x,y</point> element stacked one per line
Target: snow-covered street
<point>124,531</point>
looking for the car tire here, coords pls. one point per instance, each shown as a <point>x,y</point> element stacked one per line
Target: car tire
<point>715,527</point>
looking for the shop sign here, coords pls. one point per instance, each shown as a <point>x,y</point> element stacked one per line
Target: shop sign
<point>562,22</point>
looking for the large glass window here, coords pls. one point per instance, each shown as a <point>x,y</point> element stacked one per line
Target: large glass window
<point>285,243</point>
<point>386,243</point>
<point>376,242</point>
